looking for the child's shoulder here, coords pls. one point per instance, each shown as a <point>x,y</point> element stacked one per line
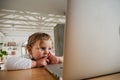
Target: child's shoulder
<point>13,57</point>
<point>28,56</point>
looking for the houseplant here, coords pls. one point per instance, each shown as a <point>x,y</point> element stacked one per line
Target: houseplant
<point>2,54</point>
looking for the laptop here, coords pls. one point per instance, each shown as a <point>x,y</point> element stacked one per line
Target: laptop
<point>56,70</point>
<point>92,39</point>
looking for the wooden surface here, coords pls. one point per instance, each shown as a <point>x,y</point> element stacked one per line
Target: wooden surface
<point>28,74</point>
<point>41,74</point>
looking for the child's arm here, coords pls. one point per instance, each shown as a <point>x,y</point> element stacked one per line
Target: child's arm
<point>40,62</point>
<point>34,64</point>
<point>15,63</point>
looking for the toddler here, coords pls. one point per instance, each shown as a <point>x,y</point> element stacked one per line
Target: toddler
<point>40,54</point>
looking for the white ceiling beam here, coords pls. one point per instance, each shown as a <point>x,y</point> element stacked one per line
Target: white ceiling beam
<point>39,21</point>
<point>27,25</point>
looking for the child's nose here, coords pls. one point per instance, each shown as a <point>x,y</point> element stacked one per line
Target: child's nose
<point>46,52</point>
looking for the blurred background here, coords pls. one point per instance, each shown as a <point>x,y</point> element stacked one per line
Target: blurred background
<point>20,18</point>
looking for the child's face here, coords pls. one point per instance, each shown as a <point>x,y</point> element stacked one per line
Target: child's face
<point>40,50</point>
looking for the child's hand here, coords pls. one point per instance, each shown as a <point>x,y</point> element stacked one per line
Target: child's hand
<point>42,62</point>
<point>53,59</point>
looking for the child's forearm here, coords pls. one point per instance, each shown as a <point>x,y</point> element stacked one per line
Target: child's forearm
<point>39,63</point>
<point>34,64</point>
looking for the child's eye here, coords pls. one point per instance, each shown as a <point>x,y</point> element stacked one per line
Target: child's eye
<point>43,48</point>
<point>50,48</point>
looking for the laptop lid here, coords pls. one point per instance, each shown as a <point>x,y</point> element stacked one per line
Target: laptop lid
<point>92,39</point>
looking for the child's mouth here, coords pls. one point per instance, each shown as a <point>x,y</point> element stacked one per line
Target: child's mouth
<point>45,56</point>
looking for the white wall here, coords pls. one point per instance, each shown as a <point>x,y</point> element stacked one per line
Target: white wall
<point>18,40</point>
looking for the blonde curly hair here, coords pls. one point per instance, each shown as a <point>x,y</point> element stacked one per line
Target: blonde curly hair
<point>37,36</point>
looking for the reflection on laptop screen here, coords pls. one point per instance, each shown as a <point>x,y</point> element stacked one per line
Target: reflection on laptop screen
<point>92,40</point>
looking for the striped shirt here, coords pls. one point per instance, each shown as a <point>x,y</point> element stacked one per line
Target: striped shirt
<point>18,62</point>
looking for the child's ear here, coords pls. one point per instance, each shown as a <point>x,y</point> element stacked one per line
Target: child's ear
<point>29,50</point>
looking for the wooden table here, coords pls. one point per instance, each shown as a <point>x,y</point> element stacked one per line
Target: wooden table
<point>28,74</point>
<point>41,74</point>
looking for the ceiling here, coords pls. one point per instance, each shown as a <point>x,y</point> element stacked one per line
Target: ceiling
<point>23,17</point>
